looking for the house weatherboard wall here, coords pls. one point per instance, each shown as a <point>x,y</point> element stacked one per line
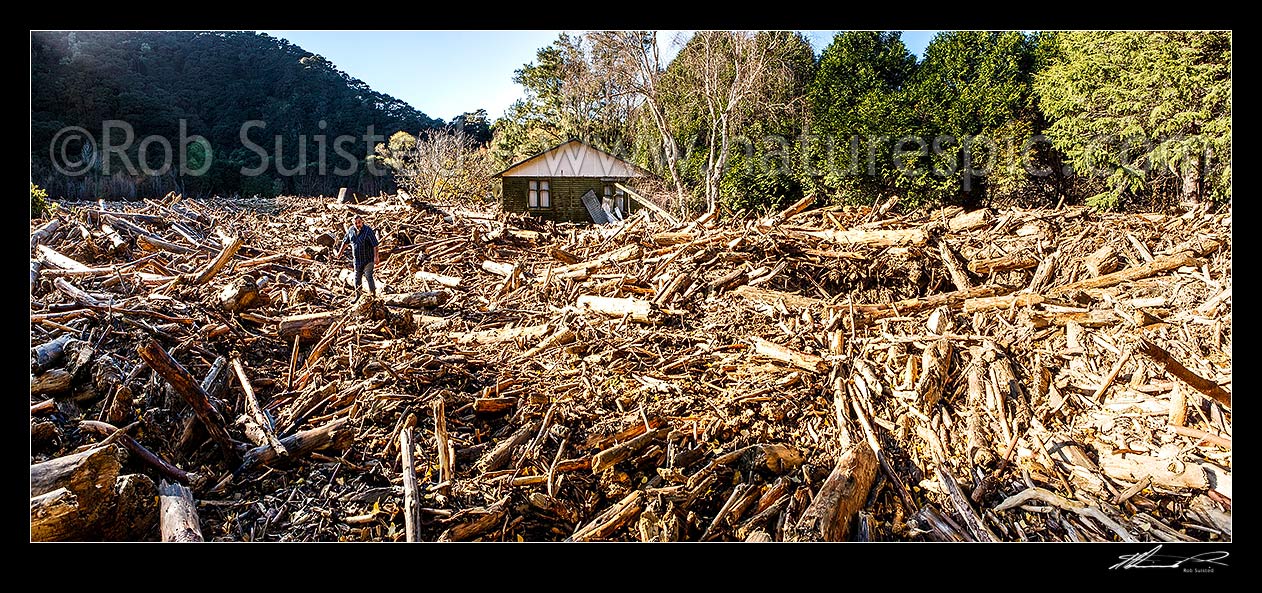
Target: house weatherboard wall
<point>551,184</point>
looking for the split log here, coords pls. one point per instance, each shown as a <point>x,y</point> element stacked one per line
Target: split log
<point>638,310</point>
<point>255,410</point>
<point>786,355</point>
<point>1095,318</point>
<point>335,435</point>
<point>79,296</point>
<point>839,498</point>
<point>492,405</point>
<point>448,281</point>
<point>179,513</point>
<point>309,326</point>
<point>1176,368</point>
<point>417,300</point>
<point>116,240</point>
<point>83,473</point>
<point>229,249</point>
<point>189,389</point>
<point>876,238</point>
<point>935,362</point>
<point>1013,261</point>
<point>82,497</point>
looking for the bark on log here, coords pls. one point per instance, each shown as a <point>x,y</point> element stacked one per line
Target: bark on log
<point>44,231</point>
<point>448,281</point>
<point>1100,262</point>
<point>612,519</point>
<point>1176,368</point>
<point>241,294</point>
<point>417,300</point>
<point>189,389</point>
<point>958,277</point>
<point>54,382</point>
<point>500,455</point>
<point>876,238</point>
<point>774,458</point>
<point>332,435</point>
<point>607,458</point>
<point>790,356</point>
<point>411,502</point>
<point>842,495</point>
<point>638,310</point>
<point>1013,261</point>
<point>310,325</point>
<point>179,513</point>
<point>486,518</point>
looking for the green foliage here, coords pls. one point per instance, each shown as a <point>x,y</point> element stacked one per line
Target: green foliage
<point>858,110</point>
<point>1142,111</point>
<point>207,84</point>
<point>40,206</point>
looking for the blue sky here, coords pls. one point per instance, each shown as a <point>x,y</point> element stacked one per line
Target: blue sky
<point>446,73</point>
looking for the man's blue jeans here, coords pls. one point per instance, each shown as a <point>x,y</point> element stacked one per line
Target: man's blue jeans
<point>362,270</point>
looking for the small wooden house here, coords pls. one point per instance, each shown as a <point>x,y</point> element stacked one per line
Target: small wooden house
<point>572,181</point>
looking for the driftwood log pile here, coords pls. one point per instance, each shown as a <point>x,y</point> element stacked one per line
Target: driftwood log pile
<point>203,371</point>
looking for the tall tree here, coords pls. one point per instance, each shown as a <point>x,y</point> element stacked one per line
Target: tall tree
<point>1143,109</point>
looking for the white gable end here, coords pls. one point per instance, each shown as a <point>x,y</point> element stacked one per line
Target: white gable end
<point>573,159</point>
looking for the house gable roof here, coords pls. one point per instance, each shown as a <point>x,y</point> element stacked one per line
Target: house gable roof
<point>573,158</point>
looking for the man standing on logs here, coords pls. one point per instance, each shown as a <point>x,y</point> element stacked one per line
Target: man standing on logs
<point>363,242</point>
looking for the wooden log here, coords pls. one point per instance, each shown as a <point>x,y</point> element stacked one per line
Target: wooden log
<point>411,500</point>
<point>417,300</point>
<point>229,249</point>
<point>1013,261</point>
<point>49,256</point>
<point>1158,265</point>
<point>1168,473</point>
<point>771,458</point>
<point>44,231</point>
<point>498,335</point>
<point>876,238</point>
<point>1094,318</point>
<point>958,277</point>
<point>771,297</point>
<point>563,335</point>
<point>797,208</point>
<point>609,457</point>
<point>308,326</point>
<point>953,300</point>
<point>968,221</point>
<point>840,497</point>
<point>485,518</point>
<point>498,268</point>
<point>641,200</point>
<point>189,389</point>
<point>448,281</point>
<point>1001,302</point>
<point>493,405</point>
<point>127,514</point>
<point>638,310</point>
<point>1058,501</point>
<point>1100,262</point>
<point>611,519</point>
<point>79,296</point>
<point>787,355</point>
<point>241,294</point>
<point>672,238</point>
<point>934,365</point>
<point>502,453</point>
<point>116,240</point>
<point>1176,368</point>
<point>446,457</point>
<point>179,521</point>
<point>168,470</point>
<point>54,382</point>
<point>255,410</point>
<point>334,435</point>
<point>87,474</point>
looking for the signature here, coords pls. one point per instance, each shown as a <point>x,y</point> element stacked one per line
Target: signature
<point>1151,559</point>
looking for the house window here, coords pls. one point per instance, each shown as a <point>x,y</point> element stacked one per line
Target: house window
<point>618,197</point>
<point>539,195</point>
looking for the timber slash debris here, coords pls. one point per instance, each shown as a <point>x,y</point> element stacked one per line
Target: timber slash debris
<point>198,372</point>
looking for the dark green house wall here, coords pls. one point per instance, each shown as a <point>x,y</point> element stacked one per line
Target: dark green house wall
<point>566,195</point>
